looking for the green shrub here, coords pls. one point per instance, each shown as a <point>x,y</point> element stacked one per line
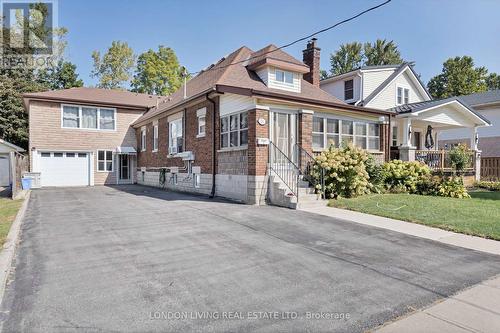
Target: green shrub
<point>460,157</point>
<point>429,185</point>
<point>375,173</point>
<point>404,175</point>
<point>489,185</point>
<point>345,171</point>
<point>453,187</point>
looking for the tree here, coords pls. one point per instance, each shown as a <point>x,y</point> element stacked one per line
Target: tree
<point>348,57</point>
<point>458,77</point>
<point>158,72</point>
<point>382,53</point>
<point>61,76</point>
<point>493,81</point>
<point>115,66</point>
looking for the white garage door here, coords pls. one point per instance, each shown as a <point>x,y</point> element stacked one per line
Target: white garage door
<point>65,169</point>
<point>4,170</point>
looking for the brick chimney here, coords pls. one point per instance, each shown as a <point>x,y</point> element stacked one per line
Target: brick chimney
<point>310,57</point>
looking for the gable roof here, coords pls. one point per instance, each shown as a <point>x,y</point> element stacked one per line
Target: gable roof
<point>99,96</point>
<point>233,72</point>
<point>358,69</point>
<point>393,76</point>
<point>11,145</point>
<point>271,54</point>
<point>487,97</point>
<point>421,106</point>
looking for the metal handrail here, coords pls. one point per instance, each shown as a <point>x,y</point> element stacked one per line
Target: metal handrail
<point>284,168</point>
<point>306,163</point>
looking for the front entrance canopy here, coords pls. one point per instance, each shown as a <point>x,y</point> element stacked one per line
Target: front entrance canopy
<point>440,115</point>
<point>126,150</point>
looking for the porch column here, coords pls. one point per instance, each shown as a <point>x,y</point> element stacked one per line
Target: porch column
<point>474,140</point>
<point>257,154</point>
<point>406,150</point>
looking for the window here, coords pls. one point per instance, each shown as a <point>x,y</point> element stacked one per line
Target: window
<point>70,154</point>
<point>87,117</point>
<point>107,119</point>
<point>234,130</point>
<point>143,139</point>
<point>104,160</point>
<point>394,136</point>
<point>155,137</point>
<point>329,131</point>
<point>82,154</point>
<point>284,76</point>
<point>403,95</point>
<point>58,154</point>
<point>175,144</point>
<point>71,116</point>
<point>45,154</point>
<point>201,126</point>
<point>348,90</point>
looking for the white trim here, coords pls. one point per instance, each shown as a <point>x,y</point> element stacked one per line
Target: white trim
<point>155,137</point>
<point>303,111</point>
<point>98,108</point>
<point>144,136</point>
<point>201,112</point>
<point>447,103</point>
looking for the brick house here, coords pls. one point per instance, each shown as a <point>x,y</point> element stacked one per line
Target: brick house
<point>215,136</point>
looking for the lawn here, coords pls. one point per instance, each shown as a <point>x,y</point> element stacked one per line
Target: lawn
<point>8,211</point>
<point>479,216</point>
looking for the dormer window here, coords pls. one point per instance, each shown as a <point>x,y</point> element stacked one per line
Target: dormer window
<point>284,76</point>
<point>348,89</point>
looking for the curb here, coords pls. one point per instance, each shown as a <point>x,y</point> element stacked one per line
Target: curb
<point>9,248</point>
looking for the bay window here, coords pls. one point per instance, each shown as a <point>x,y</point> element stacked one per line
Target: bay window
<point>88,117</point>
<point>338,132</point>
<point>234,130</point>
<point>175,138</point>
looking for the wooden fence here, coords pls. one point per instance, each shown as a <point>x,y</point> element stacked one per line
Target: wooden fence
<point>490,168</point>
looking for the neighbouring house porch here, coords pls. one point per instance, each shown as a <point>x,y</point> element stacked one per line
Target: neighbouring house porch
<point>416,129</point>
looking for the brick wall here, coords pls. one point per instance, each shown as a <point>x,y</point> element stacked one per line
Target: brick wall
<point>201,147</point>
<point>305,131</point>
<point>232,162</point>
<point>46,134</point>
<point>257,154</point>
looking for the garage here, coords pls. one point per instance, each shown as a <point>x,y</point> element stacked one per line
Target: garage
<point>4,170</point>
<point>64,168</point>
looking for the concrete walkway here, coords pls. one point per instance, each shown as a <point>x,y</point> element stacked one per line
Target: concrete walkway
<point>443,236</point>
<point>474,310</point>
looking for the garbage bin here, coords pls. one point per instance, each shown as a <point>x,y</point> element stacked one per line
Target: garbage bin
<point>26,183</point>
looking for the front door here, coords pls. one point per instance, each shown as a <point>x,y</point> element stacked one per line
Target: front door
<point>284,133</point>
<point>124,167</point>
<point>416,140</point>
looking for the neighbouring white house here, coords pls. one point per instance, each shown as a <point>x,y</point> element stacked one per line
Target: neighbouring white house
<point>5,149</point>
<point>487,104</point>
<point>419,121</point>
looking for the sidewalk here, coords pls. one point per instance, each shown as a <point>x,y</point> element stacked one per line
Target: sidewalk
<point>476,309</point>
<point>439,235</point>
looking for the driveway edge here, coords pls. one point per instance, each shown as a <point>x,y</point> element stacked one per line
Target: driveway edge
<point>10,245</point>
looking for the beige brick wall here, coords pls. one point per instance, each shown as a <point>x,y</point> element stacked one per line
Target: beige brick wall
<point>46,134</point>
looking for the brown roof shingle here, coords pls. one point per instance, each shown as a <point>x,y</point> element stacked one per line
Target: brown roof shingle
<point>239,76</point>
<point>99,96</point>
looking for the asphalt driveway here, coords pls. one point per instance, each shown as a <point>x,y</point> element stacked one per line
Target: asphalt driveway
<point>139,259</point>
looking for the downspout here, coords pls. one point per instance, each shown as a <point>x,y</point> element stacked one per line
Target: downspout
<point>214,151</point>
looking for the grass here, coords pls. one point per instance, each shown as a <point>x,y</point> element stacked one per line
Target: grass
<point>8,211</point>
<point>478,216</point>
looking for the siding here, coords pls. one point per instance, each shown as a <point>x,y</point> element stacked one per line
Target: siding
<point>46,134</point>
<point>492,114</point>
<point>230,103</point>
<point>373,79</point>
<point>387,98</point>
<point>336,88</point>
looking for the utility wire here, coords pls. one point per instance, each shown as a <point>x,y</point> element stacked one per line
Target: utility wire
<point>298,40</point>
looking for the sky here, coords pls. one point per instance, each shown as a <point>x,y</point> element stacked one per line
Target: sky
<point>426,31</point>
